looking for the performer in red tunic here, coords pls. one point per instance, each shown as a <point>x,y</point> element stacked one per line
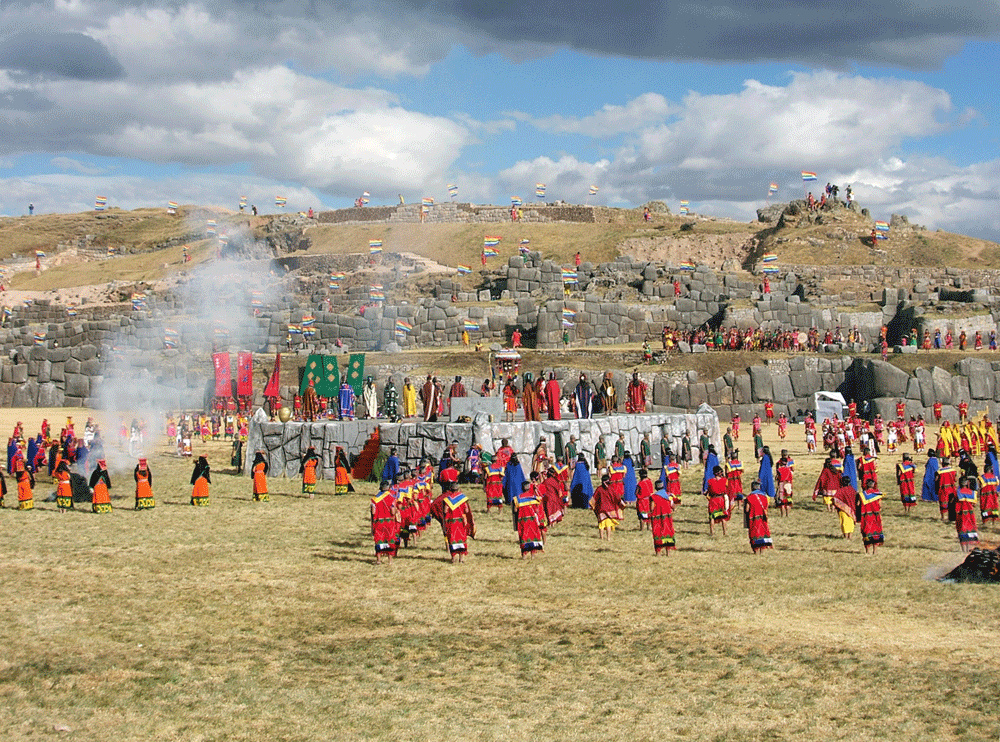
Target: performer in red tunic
<point>672,474</point>
<point>457,522</point>
<point>552,497</point>
<point>636,395</point>
<point>529,518</point>
<point>493,486</point>
<point>734,476</point>
<point>965,516</point>
<point>607,506</point>
<point>988,495</point>
<point>783,486</point>
<point>718,501</point>
<point>643,491</point>
<point>868,468</point>
<point>385,524</point>
<point>945,484</point>
<point>869,515</point>
<point>905,471</point>
<point>617,472</point>
<point>661,519</point>
<point>938,409</point>
<point>553,393</point>
<point>769,411</point>
<point>755,519</point>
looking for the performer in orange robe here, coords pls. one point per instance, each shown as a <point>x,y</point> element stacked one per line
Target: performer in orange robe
<point>143,486</point>
<point>100,482</point>
<point>200,479</point>
<point>25,483</point>
<point>259,470</point>
<point>308,471</point>
<point>64,490</point>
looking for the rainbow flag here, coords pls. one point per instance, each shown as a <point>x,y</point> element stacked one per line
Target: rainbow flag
<point>540,190</point>
<point>39,253</point>
<point>687,266</point>
<point>375,292</point>
<point>685,210</point>
<point>294,329</point>
<point>882,226</point>
<point>770,257</point>
<point>464,269</point>
<point>256,299</point>
<point>100,203</point>
<point>491,241</point>
<point>490,252</point>
<point>770,270</point>
<point>684,203</point>
<point>593,190</point>
<point>8,311</point>
<point>210,227</point>
<point>338,276</point>
<point>243,202</point>
<point>453,190</point>
<point>515,201</point>
<point>366,197</point>
<point>772,189</point>
<point>111,250</point>
<point>39,338</point>
<point>471,326</point>
<point>70,311</point>
<point>568,314</point>
<point>138,301</point>
<point>335,285</point>
<point>308,320</point>
<point>280,201</point>
<point>169,343</point>
<point>807,176</point>
<point>172,206</point>
<point>568,276</point>
<point>374,247</point>
<point>402,325</point>
<point>28,302</point>
<point>427,201</point>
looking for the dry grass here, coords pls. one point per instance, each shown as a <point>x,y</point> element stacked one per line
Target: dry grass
<point>270,622</point>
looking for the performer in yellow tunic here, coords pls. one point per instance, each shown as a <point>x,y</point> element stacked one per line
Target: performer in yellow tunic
<point>64,490</point>
<point>409,399</point>
<point>143,486</point>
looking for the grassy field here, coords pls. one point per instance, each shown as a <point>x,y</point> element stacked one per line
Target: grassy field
<point>271,622</point>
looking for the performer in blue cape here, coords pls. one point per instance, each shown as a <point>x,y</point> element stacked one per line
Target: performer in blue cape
<point>851,467</point>
<point>711,461</point>
<point>929,491</point>
<point>11,453</point>
<point>991,457</point>
<point>513,478</point>
<point>391,468</point>
<point>583,395</point>
<point>581,488</point>
<point>631,481</point>
<point>766,473</point>
<point>32,453</point>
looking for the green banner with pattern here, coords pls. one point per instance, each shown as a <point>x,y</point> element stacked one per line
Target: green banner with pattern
<point>324,372</point>
<point>356,372</point>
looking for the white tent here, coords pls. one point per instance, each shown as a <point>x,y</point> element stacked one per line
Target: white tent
<point>829,404</point>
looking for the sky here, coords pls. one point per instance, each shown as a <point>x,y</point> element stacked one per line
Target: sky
<point>320,101</point>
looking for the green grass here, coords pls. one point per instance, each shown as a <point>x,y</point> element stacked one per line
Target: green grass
<point>270,621</point>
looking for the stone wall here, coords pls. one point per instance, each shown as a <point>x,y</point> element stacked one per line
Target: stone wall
<point>285,443</point>
<point>448,212</point>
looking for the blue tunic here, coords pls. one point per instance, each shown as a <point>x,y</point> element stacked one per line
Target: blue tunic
<point>766,476</point>
<point>851,470</point>
<point>711,461</point>
<point>513,478</point>
<point>630,480</point>
<point>929,492</point>
<point>391,469</point>
<point>581,489</point>
<point>346,400</point>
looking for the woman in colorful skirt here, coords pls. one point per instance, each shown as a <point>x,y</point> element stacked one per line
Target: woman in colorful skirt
<point>869,515</point>
<point>201,477</point>
<point>844,500</point>
<point>308,471</point>
<point>100,483</point>
<point>342,478</point>
<point>965,516</point>
<point>661,518</point>
<point>259,472</point>
<point>64,489</point>
<point>143,486</point>
<point>755,519</point>
<point>25,485</point>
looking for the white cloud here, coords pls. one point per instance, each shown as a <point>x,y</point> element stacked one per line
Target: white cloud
<point>610,120</point>
<point>68,164</point>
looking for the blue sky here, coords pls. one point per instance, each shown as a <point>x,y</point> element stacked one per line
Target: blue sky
<point>319,101</point>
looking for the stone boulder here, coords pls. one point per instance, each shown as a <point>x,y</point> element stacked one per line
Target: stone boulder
<point>887,380</point>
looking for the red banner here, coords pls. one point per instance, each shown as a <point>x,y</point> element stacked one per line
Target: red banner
<point>244,374</point>
<point>223,383</point>
<point>271,390</point>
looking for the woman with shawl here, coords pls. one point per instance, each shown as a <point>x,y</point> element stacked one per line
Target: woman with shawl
<point>259,471</point>
<point>844,501</point>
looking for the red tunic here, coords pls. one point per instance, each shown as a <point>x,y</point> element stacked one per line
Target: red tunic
<point>529,523</point>
<point>385,524</point>
<point>904,478</point>
<point>988,498</point>
<point>642,494</point>
<point>618,472</point>
<point>734,478</point>
<point>458,523</point>
<point>493,486</point>
<point>758,530</point>
<point>718,502</point>
<point>553,392</point>
<point>965,516</point>
<point>662,522</point>
<point>947,486</point>
<point>552,499</point>
<point>869,506</point>
<point>674,481</point>
<point>869,469</point>
<point>636,397</point>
